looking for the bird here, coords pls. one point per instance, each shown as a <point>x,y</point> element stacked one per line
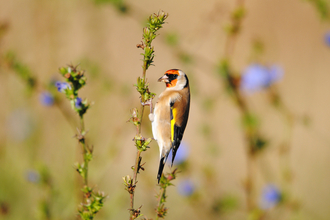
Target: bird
<point>170,115</point>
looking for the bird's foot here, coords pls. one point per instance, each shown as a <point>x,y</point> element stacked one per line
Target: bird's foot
<point>148,102</point>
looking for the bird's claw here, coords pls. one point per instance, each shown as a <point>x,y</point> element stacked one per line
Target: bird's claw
<point>148,102</point>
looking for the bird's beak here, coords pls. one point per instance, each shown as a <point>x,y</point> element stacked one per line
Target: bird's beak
<point>163,79</point>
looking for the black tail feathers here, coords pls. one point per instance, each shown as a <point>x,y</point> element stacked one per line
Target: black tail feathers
<point>161,168</point>
<point>173,155</point>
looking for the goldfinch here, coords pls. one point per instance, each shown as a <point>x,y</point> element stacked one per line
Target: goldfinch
<point>170,116</point>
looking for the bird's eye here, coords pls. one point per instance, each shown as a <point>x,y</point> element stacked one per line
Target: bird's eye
<point>172,76</point>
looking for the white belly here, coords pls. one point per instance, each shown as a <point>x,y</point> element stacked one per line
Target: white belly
<point>154,124</point>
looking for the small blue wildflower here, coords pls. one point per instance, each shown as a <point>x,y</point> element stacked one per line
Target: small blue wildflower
<point>186,188</point>
<point>257,77</point>
<point>62,86</point>
<point>46,99</point>
<point>32,176</point>
<point>181,155</point>
<point>327,38</point>
<point>78,103</point>
<point>270,196</point>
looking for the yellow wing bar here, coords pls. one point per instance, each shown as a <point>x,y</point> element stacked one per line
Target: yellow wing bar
<point>173,122</point>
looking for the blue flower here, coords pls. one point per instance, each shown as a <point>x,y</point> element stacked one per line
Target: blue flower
<point>257,77</point>
<point>186,188</point>
<point>62,86</point>
<point>32,176</point>
<point>46,99</point>
<point>327,38</point>
<point>181,155</point>
<point>78,103</point>
<point>270,196</point>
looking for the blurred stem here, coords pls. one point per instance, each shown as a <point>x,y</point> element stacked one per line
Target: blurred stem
<point>250,152</point>
<point>235,30</point>
<point>249,181</point>
<point>249,132</point>
<point>285,148</point>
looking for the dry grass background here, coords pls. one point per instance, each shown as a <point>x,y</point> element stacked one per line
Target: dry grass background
<point>48,34</point>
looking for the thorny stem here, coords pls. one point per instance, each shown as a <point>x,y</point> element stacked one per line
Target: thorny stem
<point>155,22</point>
<point>138,153</point>
<point>136,168</point>
<point>141,117</point>
<point>144,72</point>
<point>92,201</point>
<point>163,192</point>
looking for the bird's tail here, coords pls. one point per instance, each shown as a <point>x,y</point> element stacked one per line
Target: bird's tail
<point>161,168</point>
<point>173,155</point>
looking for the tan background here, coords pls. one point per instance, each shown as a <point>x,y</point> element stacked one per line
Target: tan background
<point>48,34</point>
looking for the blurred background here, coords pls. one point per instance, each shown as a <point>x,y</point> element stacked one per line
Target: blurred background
<point>288,172</point>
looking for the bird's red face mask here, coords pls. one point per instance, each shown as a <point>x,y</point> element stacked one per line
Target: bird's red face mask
<point>170,78</point>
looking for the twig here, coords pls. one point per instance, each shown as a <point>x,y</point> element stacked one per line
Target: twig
<point>155,22</point>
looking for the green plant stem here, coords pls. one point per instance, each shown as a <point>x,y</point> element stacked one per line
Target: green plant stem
<point>144,72</point>
<point>155,22</point>
<point>84,148</point>
<point>141,118</point>
<point>138,153</point>
<point>162,194</point>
